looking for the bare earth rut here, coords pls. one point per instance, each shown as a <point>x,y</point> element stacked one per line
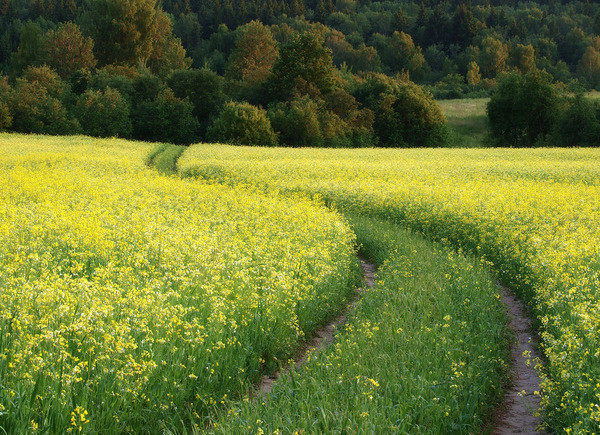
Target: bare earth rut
<point>519,414</point>
<point>325,335</point>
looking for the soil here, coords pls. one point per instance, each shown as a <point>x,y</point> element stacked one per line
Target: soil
<point>519,412</point>
<point>326,334</point>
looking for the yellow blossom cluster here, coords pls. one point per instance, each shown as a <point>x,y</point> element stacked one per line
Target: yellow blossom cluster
<point>130,301</point>
<point>532,214</point>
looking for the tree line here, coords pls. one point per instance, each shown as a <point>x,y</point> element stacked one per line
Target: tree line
<point>291,72</point>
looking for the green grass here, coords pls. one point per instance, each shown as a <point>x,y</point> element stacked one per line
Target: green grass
<point>467,120</point>
<point>164,158</point>
<point>423,352</point>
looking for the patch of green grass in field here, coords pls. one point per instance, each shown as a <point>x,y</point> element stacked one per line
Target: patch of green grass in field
<point>593,95</point>
<point>467,120</point>
<point>165,160</point>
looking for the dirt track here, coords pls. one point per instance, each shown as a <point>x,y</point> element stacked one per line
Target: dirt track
<point>519,414</point>
<point>325,335</point>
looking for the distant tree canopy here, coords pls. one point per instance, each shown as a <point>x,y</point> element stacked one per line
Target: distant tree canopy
<point>308,63</point>
<point>528,110</point>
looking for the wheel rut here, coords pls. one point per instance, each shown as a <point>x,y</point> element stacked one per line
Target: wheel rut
<point>324,336</point>
<point>519,412</point>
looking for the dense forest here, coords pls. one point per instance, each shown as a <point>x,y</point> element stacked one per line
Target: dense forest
<point>294,72</point>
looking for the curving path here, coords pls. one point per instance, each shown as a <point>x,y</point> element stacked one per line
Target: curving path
<point>519,414</point>
<point>324,336</point>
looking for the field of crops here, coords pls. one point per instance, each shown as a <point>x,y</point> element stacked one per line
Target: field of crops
<point>425,351</point>
<point>135,302</point>
<point>532,214</point>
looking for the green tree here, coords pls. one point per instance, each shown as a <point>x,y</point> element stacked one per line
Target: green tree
<point>254,54</point>
<point>523,109</point>
<point>492,57</point>
<point>304,66</point>
<point>37,104</point>
<point>6,95</point>
<point>133,32</point>
<point>67,50</point>
<point>242,124</point>
<point>30,51</point>
<point>165,119</point>
<point>401,54</point>
<point>203,88</point>
<point>473,75</point>
<point>578,124</point>
<point>523,58</point>
<point>405,115</point>
<point>589,66</point>
<point>104,113</point>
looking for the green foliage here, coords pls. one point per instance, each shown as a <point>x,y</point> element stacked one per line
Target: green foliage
<point>133,32</point>
<point>105,78</point>
<point>578,124</point>
<point>5,98</point>
<point>67,50</point>
<point>242,124</point>
<point>104,114</point>
<point>165,119</point>
<point>297,122</point>
<point>37,104</point>
<point>523,109</point>
<point>203,88</point>
<point>493,57</point>
<point>304,67</point>
<point>30,48</point>
<point>405,114</point>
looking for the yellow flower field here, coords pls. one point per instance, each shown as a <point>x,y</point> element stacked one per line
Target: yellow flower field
<point>533,214</point>
<point>135,302</point>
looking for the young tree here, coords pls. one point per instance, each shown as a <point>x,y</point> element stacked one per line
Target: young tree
<point>473,75</point>
<point>304,66</point>
<point>67,50</point>
<point>254,54</point>
<point>242,124</point>
<point>104,113</point>
<point>492,57</point>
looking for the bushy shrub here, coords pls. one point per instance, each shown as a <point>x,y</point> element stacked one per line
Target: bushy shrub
<point>578,124</point>
<point>306,122</point>
<point>405,114</point>
<point>523,109</point>
<point>5,97</point>
<point>242,124</point>
<point>104,113</point>
<point>165,119</point>
<point>37,104</point>
<point>297,122</point>
<point>204,89</point>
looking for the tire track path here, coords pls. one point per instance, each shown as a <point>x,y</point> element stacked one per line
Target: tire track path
<point>519,412</point>
<point>324,336</point>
